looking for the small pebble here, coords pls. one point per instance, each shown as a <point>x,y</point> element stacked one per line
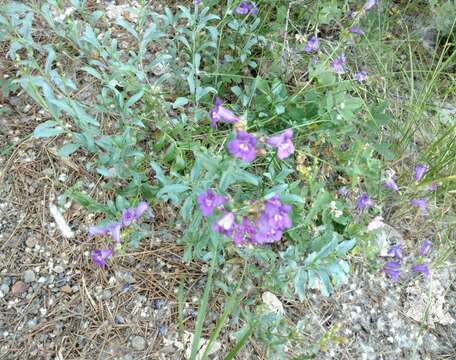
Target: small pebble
<point>31,242</point>
<point>138,343</point>
<point>59,269</point>
<point>18,288</point>
<point>66,289</point>
<point>4,289</point>
<point>29,276</point>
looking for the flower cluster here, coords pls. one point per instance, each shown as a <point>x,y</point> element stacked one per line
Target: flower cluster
<point>247,7</point>
<point>99,256</point>
<point>264,227</point>
<point>245,145</point>
<point>393,268</point>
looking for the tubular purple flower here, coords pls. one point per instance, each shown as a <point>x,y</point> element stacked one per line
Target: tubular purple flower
<point>246,7</point>
<point>312,45</point>
<point>128,216</point>
<point>395,251</point>
<point>220,114</point>
<point>243,146</point>
<point>209,200</point>
<point>338,64</point>
<point>422,204</point>
<point>197,2</point>
<point>425,248</point>
<point>391,184</point>
<point>361,76</point>
<point>421,268</point>
<point>112,229</point>
<point>343,191</point>
<point>283,143</point>
<point>369,5</point>
<point>356,30</point>
<point>224,225</point>
<point>244,232</point>
<point>420,170</point>
<point>393,270</point>
<point>364,202</point>
<point>100,256</point>
<point>141,209</point>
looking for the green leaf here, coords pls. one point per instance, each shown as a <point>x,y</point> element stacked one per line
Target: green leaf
<point>245,176</point>
<point>180,101</point>
<point>127,26</point>
<point>67,149</point>
<point>300,282</point>
<point>135,98</point>
<point>48,129</point>
<point>345,246</point>
<point>172,190</point>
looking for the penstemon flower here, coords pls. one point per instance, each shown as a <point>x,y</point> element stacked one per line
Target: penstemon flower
<point>99,256</point>
<point>392,269</point>
<point>364,202</point>
<point>246,7</point>
<point>426,248</point>
<point>391,184</point>
<point>224,225</point>
<point>356,30</point>
<point>243,146</point>
<point>395,251</point>
<point>221,114</point>
<point>422,204</point>
<point>420,170</point>
<point>338,64</point>
<point>209,200</point>
<point>111,229</point>
<point>283,143</point>
<point>312,45</point>
<point>197,2</point>
<point>361,76</point>
<point>421,268</point>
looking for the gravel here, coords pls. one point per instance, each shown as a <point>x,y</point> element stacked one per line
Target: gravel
<point>138,343</point>
<point>29,276</point>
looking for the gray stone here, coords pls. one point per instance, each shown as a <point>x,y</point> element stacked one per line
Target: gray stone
<point>59,269</point>
<point>31,242</point>
<point>4,289</point>
<point>29,276</point>
<point>138,343</point>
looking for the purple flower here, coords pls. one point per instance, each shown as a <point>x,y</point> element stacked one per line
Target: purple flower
<point>392,269</point>
<point>356,30</point>
<point>432,187</point>
<point>246,7</point>
<point>395,251</point>
<point>421,268</point>
<point>343,191</point>
<point>425,248</point>
<point>272,222</point>
<point>338,64</point>
<point>224,225</point>
<point>369,5</point>
<point>364,202</point>
<point>391,184</point>
<point>312,45</point>
<point>243,146</point>
<point>361,76</point>
<point>421,204</point>
<point>420,169</point>
<point>244,232</point>
<point>128,216</point>
<point>209,200</point>
<point>141,209</point>
<point>283,143</point>
<point>112,229</point>
<point>221,114</point>
<point>100,256</point>
<point>197,2</point>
